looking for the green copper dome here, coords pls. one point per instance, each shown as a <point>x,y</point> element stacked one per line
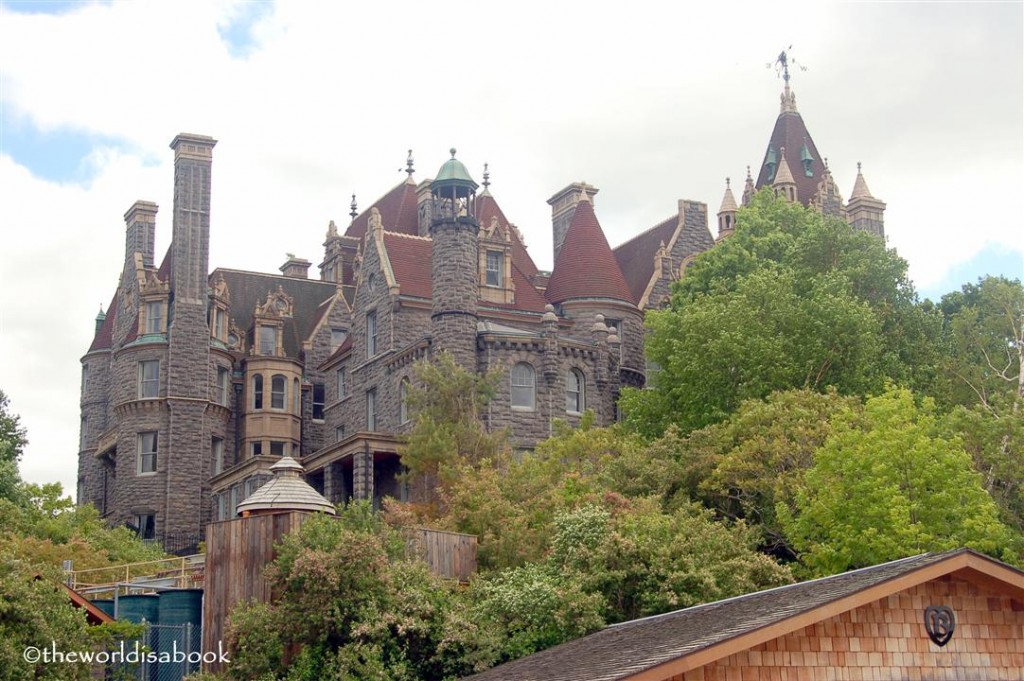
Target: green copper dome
<point>454,173</point>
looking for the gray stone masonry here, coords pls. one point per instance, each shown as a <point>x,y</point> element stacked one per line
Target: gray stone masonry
<point>95,406</point>
<point>456,287</point>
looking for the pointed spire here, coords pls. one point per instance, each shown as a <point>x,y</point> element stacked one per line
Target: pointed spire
<point>748,189</point>
<point>487,178</point>
<point>860,186</point>
<point>728,200</point>
<point>352,208</point>
<point>409,166</point>
<point>784,182</point>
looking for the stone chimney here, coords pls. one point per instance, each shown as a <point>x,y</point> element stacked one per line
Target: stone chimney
<point>140,223</point>
<point>296,268</point>
<point>563,207</point>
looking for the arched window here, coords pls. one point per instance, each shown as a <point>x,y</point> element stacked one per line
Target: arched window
<point>523,386</point>
<point>403,401</point>
<point>575,391</point>
<point>278,384</point>
<point>257,391</point>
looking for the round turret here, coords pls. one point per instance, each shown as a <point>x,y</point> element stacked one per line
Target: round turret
<point>454,191</point>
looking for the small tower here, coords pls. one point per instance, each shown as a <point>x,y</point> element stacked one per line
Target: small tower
<point>727,213</point>
<point>864,211</point>
<point>784,184</point>
<point>748,189</point>
<point>454,254</point>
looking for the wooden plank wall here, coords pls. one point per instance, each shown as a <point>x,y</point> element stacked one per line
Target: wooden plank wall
<point>449,554</point>
<point>236,553</point>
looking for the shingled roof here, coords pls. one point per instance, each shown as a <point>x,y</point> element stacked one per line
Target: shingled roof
<point>623,650</point>
<point>636,256</point>
<point>586,266</point>
<point>486,208</point>
<point>249,288</point>
<point>399,212</point>
<point>791,133</point>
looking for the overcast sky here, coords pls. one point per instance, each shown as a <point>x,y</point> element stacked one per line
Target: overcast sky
<point>312,102</point>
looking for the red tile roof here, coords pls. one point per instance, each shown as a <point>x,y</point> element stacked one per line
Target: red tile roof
<point>586,267</point>
<point>636,256</point>
<point>410,258</point>
<point>791,133</point>
<point>398,211</point>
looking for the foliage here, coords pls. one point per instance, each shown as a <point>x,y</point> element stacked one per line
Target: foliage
<point>12,445</point>
<point>351,606</point>
<point>792,299</point>
<point>447,403</point>
<point>885,485</point>
<point>756,459</point>
<point>984,342</point>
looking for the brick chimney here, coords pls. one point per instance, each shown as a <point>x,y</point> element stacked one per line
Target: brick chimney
<point>296,268</point>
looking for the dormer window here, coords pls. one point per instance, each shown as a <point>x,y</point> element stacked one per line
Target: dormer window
<point>268,340</point>
<point>155,316</point>
<point>338,337</point>
<point>495,268</point>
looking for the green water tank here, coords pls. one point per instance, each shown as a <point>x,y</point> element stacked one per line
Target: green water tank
<point>138,607</point>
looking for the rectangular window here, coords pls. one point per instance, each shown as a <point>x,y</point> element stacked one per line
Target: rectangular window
<point>222,506</point>
<point>220,324</point>
<point>495,268</point>
<point>278,448</point>
<point>222,385</point>
<point>147,452</point>
<point>85,377</point>
<point>371,334</point>
<point>318,401</point>
<point>371,410</point>
<point>339,433</point>
<point>268,340</point>
<point>341,382</point>
<point>145,525</point>
<point>149,379</point>
<point>217,453</point>
<point>82,432</point>
<point>155,316</point>
<point>278,383</point>
<point>256,448</point>
<point>338,337</point>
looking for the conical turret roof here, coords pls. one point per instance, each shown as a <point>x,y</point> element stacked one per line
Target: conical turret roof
<point>860,187</point>
<point>728,200</point>
<point>784,175</point>
<point>586,266</point>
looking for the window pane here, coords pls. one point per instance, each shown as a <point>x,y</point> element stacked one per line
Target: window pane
<point>149,378</point>
<point>278,448</point>
<point>574,383</point>
<point>268,340</point>
<point>217,451</point>
<point>147,452</point>
<point>523,386</point>
<point>495,268</point>
<point>318,401</point>
<point>277,386</point>
<point>341,382</point>
<point>222,385</point>
<point>371,334</point>
<point>338,337</point>
<point>403,399</point>
<point>154,317</point>
<point>257,391</point>
<point>371,410</point>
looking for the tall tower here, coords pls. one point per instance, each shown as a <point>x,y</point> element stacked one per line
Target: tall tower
<point>188,372</point>
<point>864,211</point>
<point>455,253</point>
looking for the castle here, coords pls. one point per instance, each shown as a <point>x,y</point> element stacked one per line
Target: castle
<point>197,382</point>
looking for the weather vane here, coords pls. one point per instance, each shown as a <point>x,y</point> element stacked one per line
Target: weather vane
<point>782,63</point>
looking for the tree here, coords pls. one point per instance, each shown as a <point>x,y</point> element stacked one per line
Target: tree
<point>447,403</point>
<point>12,444</point>
<point>792,299</point>
<point>886,485</point>
<point>984,342</point>
<point>747,465</point>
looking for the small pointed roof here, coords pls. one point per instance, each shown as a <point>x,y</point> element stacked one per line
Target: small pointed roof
<point>728,201</point>
<point>860,187</point>
<point>791,133</point>
<point>784,175</point>
<point>287,491</point>
<point>586,266</point>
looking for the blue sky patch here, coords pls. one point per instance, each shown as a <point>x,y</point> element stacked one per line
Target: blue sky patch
<point>993,259</point>
<point>238,33</point>
<point>58,156</point>
<point>42,6</point>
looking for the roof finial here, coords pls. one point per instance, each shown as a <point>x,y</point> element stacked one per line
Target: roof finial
<point>727,183</point>
<point>748,173</point>
<point>487,178</point>
<point>781,65</point>
<point>408,165</point>
<point>352,208</point>
<point>858,167</point>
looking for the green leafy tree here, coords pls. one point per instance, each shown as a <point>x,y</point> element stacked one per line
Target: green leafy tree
<point>886,485</point>
<point>13,440</point>
<point>792,299</point>
<point>755,460</point>
<point>984,342</point>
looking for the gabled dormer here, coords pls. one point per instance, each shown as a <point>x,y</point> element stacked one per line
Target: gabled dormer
<point>268,324</point>
<point>495,270</point>
<point>153,299</point>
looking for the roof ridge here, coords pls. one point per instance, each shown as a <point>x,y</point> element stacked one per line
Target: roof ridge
<point>270,274</point>
<point>407,236</point>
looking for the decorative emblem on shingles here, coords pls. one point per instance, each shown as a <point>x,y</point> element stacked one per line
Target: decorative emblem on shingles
<point>939,622</point>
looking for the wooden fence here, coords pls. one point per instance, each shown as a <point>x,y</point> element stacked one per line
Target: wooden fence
<point>449,554</point>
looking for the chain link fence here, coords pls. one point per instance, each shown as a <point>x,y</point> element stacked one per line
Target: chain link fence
<point>164,652</point>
